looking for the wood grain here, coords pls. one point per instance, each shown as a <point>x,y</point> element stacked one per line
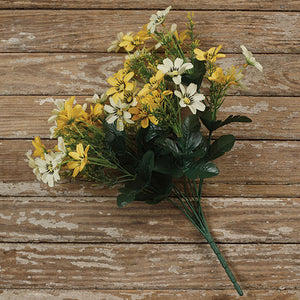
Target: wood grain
<point>147,266</point>
<point>93,30</point>
<point>98,220</point>
<point>273,117</point>
<point>260,170</point>
<point>83,189</point>
<point>257,162</point>
<point>58,294</point>
<point>274,5</point>
<point>86,74</point>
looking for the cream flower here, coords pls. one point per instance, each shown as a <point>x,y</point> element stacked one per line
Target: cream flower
<point>174,69</point>
<point>60,104</point>
<point>189,97</point>
<point>32,164</point>
<point>115,45</point>
<point>49,167</point>
<point>250,59</point>
<point>117,112</point>
<point>158,18</point>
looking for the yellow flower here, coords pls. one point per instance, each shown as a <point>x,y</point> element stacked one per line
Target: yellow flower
<point>182,36</point>
<point>80,157</point>
<point>143,112</point>
<point>210,55</point>
<point>70,114</point>
<point>153,84</point>
<point>40,149</point>
<point>120,83</point>
<point>130,42</point>
<point>218,76</point>
<point>232,77</point>
<point>96,112</point>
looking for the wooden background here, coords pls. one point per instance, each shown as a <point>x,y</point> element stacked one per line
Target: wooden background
<point>71,241</point>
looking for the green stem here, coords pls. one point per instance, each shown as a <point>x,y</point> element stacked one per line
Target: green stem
<point>222,260</point>
<point>198,220</point>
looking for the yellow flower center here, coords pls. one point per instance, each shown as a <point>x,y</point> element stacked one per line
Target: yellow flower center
<point>50,168</point>
<point>186,100</point>
<point>119,112</point>
<point>121,87</point>
<point>175,73</point>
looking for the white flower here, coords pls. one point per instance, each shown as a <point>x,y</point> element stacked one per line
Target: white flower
<point>94,99</point>
<point>52,131</point>
<point>250,59</point>
<point>60,104</point>
<point>32,164</point>
<point>115,44</point>
<point>134,55</point>
<point>159,18</point>
<point>189,97</point>
<point>174,69</point>
<point>49,167</point>
<point>61,147</point>
<point>117,112</point>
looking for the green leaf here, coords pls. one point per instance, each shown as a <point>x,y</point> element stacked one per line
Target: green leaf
<point>191,124</point>
<point>153,132</point>
<point>167,164</point>
<point>192,136</point>
<point>126,197</point>
<point>158,189</point>
<point>196,77</point>
<point>168,146</point>
<point>202,169</point>
<point>143,172</point>
<point>210,124</point>
<point>223,144</point>
<point>238,118</point>
<point>114,138</point>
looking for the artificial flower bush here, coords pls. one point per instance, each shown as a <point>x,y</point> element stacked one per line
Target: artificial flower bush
<point>144,132</point>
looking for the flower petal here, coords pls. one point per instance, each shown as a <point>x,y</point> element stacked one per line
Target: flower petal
<point>177,79</point>
<point>178,62</point>
<point>111,119</point>
<point>191,89</point>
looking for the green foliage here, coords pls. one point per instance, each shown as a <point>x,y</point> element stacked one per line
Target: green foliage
<point>212,125</point>
<point>202,169</point>
<point>218,148</point>
<point>196,77</point>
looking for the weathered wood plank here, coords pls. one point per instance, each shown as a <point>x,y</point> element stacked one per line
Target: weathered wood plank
<point>275,5</point>
<point>147,266</point>
<point>252,169</point>
<point>273,117</point>
<point>58,294</point>
<point>83,189</point>
<point>77,30</point>
<point>90,219</point>
<point>86,74</point>
<point>257,162</point>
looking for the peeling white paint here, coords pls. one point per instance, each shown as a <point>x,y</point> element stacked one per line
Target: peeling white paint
<point>256,109</point>
<point>153,223</point>
<point>19,133</point>
<point>280,108</point>
<point>174,269</point>
<point>4,217</point>
<point>85,264</point>
<point>43,212</point>
<point>12,40</point>
<point>28,35</point>
<point>111,231</point>
<point>52,223</point>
